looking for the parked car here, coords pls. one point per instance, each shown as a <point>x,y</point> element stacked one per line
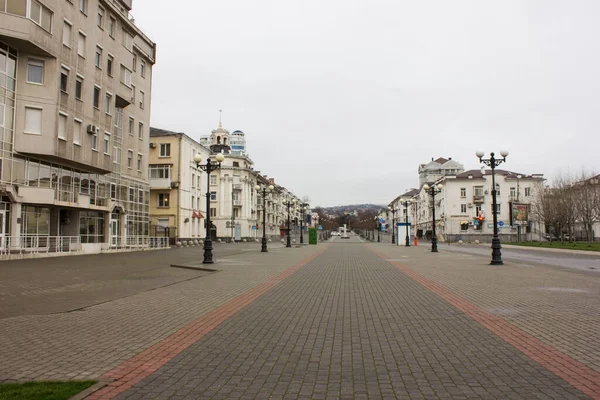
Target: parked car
<point>551,237</point>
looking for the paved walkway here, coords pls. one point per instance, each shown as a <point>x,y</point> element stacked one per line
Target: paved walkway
<point>344,320</point>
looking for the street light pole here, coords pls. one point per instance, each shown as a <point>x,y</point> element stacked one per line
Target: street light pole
<point>264,190</point>
<point>393,210</point>
<point>406,203</point>
<point>302,209</point>
<point>432,191</point>
<point>210,166</point>
<point>289,204</point>
<point>493,162</point>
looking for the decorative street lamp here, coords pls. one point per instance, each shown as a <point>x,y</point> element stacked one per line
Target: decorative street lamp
<point>302,218</point>
<point>378,226</point>
<point>406,203</point>
<point>393,210</point>
<point>264,191</point>
<point>289,204</point>
<point>493,162</point>
<point>432,191</point>
<point>210,166</point>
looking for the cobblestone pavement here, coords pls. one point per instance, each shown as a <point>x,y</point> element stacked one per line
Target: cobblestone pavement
<point>353,324</point>
<point>90,341</point>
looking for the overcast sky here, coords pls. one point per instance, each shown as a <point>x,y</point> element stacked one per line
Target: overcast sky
<point>342,100</point>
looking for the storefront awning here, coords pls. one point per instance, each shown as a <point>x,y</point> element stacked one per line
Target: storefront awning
<point>197,214</point>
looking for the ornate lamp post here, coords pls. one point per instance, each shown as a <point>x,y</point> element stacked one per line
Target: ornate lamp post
<point>393,210</point>
<point>289,204</point>
<point>406,203</point>
<point>210,166</point>
<point>264,191</point>
<point>302,208</point>
<point>493,162</point>
<point>378,227</point>
<point>432,191</point>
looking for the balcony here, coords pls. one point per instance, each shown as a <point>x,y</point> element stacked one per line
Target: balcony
<point>27,36</point>
<point>237,186</point>
<point>478,199</point>
<point>160,183</point>
<point>237,203</point>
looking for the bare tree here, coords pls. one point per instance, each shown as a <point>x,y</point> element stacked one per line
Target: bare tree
<point>587,199</point>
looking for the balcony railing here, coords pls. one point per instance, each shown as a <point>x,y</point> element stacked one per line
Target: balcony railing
<point>34,244</point>
<point>478,199</point>
<point>147,242</point>
<point>160,183</point>
<point>237,203</point>
<point>237,186</point>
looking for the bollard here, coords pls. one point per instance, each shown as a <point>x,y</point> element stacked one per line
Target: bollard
<point>416,242</point>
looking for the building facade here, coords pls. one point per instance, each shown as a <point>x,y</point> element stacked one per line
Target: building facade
<point>75,89</point>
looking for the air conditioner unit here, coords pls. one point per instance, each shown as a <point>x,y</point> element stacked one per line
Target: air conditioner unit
<point>93,129</point>
<point>174,185</point>
<point>152,145</point>
<point>486,192</point>
<point>470,205</point>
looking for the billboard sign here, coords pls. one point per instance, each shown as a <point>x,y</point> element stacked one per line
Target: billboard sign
<point>519,214</point>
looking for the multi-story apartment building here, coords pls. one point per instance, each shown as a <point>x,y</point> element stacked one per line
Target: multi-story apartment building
<point>436,169</point>
<point>75,87</point>
<point>177,186</point>
<point>463,207</point>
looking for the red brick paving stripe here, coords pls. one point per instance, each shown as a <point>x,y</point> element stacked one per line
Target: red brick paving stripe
<point>574,372</point>
<point>150,360</point>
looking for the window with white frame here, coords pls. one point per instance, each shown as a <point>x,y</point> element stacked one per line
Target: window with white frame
<point>78,87</point>
<point>81,44</point>
<point>95,142</point>
<point>83,6</point>
<point>213,212</point>
<point>139,162</point>
<point>100,18</point>
<point>96,97</point>
<point>67,34</point>
<point>112,23</point>
<point>463,208</point>
<point>193,180</point>
<point>497,208</point>
<point>513,193</point>
<point>77,128</point>
<point>142,99</point>
<point>213,196</point>
<point>33,120</point>
<point>62,126</point>
<point>213,179</point>
<point>126,76</point>
<point>163,200</point>
<point>527,191</point>
<point>64,79</point>
<point>98,59</point>
<point>143,69</point>
<point>131,125</point>
<point>463,192</point>
<point>131,194</point>
<point>106,143</point>
<point>127,41</point>
<point>160,171</point>
<point>129,158</point>
<point>113,191</point>
<point>109,65</point>
<point>2,108</point>
<point>107,103</point>
<point>140,130</point>
<point>478,191</point>
<point>165,150</point>
<point>41,15</point>
<point>35,71</point>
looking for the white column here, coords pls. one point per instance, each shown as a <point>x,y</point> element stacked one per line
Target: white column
<point>15,225</point>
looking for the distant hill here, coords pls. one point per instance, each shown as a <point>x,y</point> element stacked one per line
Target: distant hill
<point>359,208</point>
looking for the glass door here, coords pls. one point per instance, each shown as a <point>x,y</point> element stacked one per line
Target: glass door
<point>114,230</point>
<point>2,230</point>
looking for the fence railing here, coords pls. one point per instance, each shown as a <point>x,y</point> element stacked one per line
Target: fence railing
<point>147,241</point>
<point>33,244</point>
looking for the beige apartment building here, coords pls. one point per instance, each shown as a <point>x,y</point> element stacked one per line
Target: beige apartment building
<point>75,87</point>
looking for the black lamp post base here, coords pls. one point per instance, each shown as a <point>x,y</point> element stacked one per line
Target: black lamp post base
<point>264,245</point>
<point>434,248</point>
<point>407,242</point>
<point>208,255</point>
<point>496,253</point>
<point>289,242</point>
<point>393,239</point>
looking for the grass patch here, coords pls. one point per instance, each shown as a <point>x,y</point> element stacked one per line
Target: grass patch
<point>562,245</point>
<point>42,390</point>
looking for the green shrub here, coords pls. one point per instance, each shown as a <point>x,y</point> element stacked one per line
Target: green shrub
<point>313,234</point>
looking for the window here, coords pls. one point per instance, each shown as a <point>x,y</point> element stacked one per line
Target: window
<point>463,208</point>
<point>95,142</point>
<point>213,212</point>
<point>129,158</point>
<point>513,193</point>
<point>98,59</point>
<point>497,208</point>
<point>140,130</point>
<point>213,196</point>
<point>109,65</point>
<point>198,181</point>
<point>106,143</point>
<point>193,180</point>
<point>139,162</point>
<point>41,15</point>
<point>131,125</point>
<point>464,226</point>
<point>83,6</point>
<point>497,190</point>
<point>527,192</point>
<point>96,97</point>
<point>81,44</point>
<point>35,71</point>
<point>64,79</point>
<point>126,76</point>
<point>198,202</point>
<point>478,191</point>
<point>463,192</point>
<point>111,26</point>
<point>78,86</point>
<point>142,99</point>
<point>140,196</point>
<point>143,69</point>
<point>107,103</point>
<point>91,226</point>
<point>213,179</point>
<point>67,34</point>
<point>236,164</point>
<point>163,199</point>
<point>127,41</point>
<point>131,194</point>
<point>77,126</point>
<point>113,191</point>
<point>62,126</point>
<point>16,7</point>
<point>160,171</point>
<point>134,62</point>
<point>116,153</point>
<point>165,149</point>
<point>33,120</point>
<point>100,20</point>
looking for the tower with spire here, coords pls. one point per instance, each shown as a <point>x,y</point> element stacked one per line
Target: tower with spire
<point>220,138</point>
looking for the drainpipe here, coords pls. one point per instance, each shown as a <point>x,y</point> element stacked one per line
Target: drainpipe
<point>179,190</point>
